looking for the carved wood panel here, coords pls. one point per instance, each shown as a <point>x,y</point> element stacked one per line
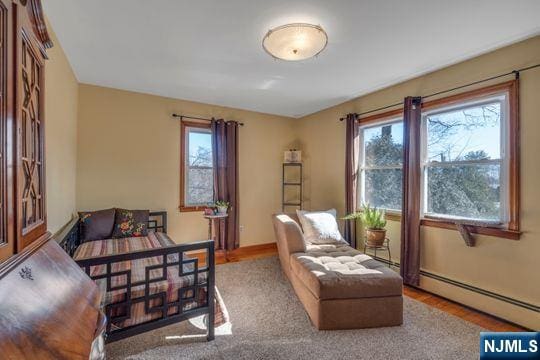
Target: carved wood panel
<point>31,171</point>
<point>3,121</point>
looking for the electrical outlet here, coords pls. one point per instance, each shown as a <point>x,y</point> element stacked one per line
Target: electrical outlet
<point>241,228</point>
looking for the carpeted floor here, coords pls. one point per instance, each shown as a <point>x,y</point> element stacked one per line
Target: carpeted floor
<point>268,322</point>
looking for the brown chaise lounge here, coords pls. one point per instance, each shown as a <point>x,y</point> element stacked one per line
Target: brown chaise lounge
<point>340,287</point>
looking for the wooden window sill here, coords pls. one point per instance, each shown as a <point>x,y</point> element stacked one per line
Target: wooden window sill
<point>445,224</point>
<point>489,231</point>
<point>389,215</point>
<point>393,216</point>
<point>191,208</point>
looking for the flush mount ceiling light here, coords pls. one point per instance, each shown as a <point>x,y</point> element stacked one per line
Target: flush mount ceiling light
<point>293,42</point>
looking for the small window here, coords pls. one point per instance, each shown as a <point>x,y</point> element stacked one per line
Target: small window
<point>381,164</point>
<point>465,166</point>
<point>197,175</point>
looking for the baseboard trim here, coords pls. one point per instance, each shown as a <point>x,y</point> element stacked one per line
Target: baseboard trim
<point>472,288</point>
<point>481,291</point>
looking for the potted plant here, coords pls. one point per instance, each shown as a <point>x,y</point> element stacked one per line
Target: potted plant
<point>222,206</point>
<point>374,222</point>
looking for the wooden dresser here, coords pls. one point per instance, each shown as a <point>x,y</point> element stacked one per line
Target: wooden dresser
<point>49,308</point>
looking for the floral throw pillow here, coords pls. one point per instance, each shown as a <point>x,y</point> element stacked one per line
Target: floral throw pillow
<point>130,223</point>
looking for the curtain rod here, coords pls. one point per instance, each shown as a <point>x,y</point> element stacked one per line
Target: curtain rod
<point>196,118</point>
<point>513,72</point>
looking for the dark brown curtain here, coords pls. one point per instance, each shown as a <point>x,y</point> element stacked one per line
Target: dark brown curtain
<point>410,218</point>
<point>225,153</point>
<point>352,148</point>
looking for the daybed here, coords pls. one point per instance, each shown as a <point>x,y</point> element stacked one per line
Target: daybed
<point>340,287</point>
<point>147,281</point>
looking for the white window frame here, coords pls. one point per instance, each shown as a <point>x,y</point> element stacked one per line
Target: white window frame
<point>362,160</point>
<point>503,98</point>
<point>189,130</point>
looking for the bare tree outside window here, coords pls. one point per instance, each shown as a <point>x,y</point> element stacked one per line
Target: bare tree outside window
<point>463,162</point>
<point>199,187</point>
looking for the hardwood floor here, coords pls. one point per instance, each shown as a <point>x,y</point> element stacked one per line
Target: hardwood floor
<point>463,312</point>
<point>243,253</point>
<point>246,253</point>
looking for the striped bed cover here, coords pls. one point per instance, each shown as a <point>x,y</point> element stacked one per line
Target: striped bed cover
<point>170,286</point>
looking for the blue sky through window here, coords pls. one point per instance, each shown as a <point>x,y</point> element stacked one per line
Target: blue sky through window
<point>454,134</point>
<point>200,148</point>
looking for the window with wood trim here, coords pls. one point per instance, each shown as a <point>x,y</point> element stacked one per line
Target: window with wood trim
<point>470,158</point>
<point>470,161</point>
<point>197,172</point>
<point>381,163</point>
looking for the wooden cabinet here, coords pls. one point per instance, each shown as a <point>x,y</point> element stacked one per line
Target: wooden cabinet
<point>23,43</point>
<point>49,308</point>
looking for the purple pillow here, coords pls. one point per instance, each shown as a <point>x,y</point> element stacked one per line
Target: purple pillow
<point>96,225</point>
<point>130,223</point>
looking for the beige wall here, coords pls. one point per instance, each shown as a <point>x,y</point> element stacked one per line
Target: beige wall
<point>61,101</point>
<point>502,266</point>
<point>129,156</point>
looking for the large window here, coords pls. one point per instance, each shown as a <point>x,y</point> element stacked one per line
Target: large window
<point>465,165</point>
<point>381,164</point>
<point>197,175</point>
<point>469,161</point>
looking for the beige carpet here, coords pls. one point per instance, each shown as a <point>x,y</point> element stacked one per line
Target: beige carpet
<point>268,322</point>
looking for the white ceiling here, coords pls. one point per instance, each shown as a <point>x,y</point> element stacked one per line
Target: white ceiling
<point>210,50</point>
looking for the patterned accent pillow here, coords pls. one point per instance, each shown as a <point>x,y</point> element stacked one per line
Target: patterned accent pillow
<point>320,227</point>
<point>130,223</point>
<point>96,225</point>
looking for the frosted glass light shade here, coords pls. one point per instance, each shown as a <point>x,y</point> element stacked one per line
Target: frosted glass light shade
<point>294,42</point>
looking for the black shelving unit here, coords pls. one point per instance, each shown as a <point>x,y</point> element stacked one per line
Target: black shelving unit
<point>284,184</point>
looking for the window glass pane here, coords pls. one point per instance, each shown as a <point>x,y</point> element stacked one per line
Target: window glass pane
<point>200,148</point>
<point>383,188</point>
<point>470,191</point>
<point>200,186</point>
<point>470,133</point>
<point>383,145</point>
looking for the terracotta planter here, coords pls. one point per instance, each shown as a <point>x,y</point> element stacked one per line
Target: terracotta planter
<point>375,237</point>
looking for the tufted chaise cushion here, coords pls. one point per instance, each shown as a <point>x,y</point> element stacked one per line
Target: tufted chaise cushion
<point>341,272</point>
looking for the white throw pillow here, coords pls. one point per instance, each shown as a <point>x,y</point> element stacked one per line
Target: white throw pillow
<point>320,227</point>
